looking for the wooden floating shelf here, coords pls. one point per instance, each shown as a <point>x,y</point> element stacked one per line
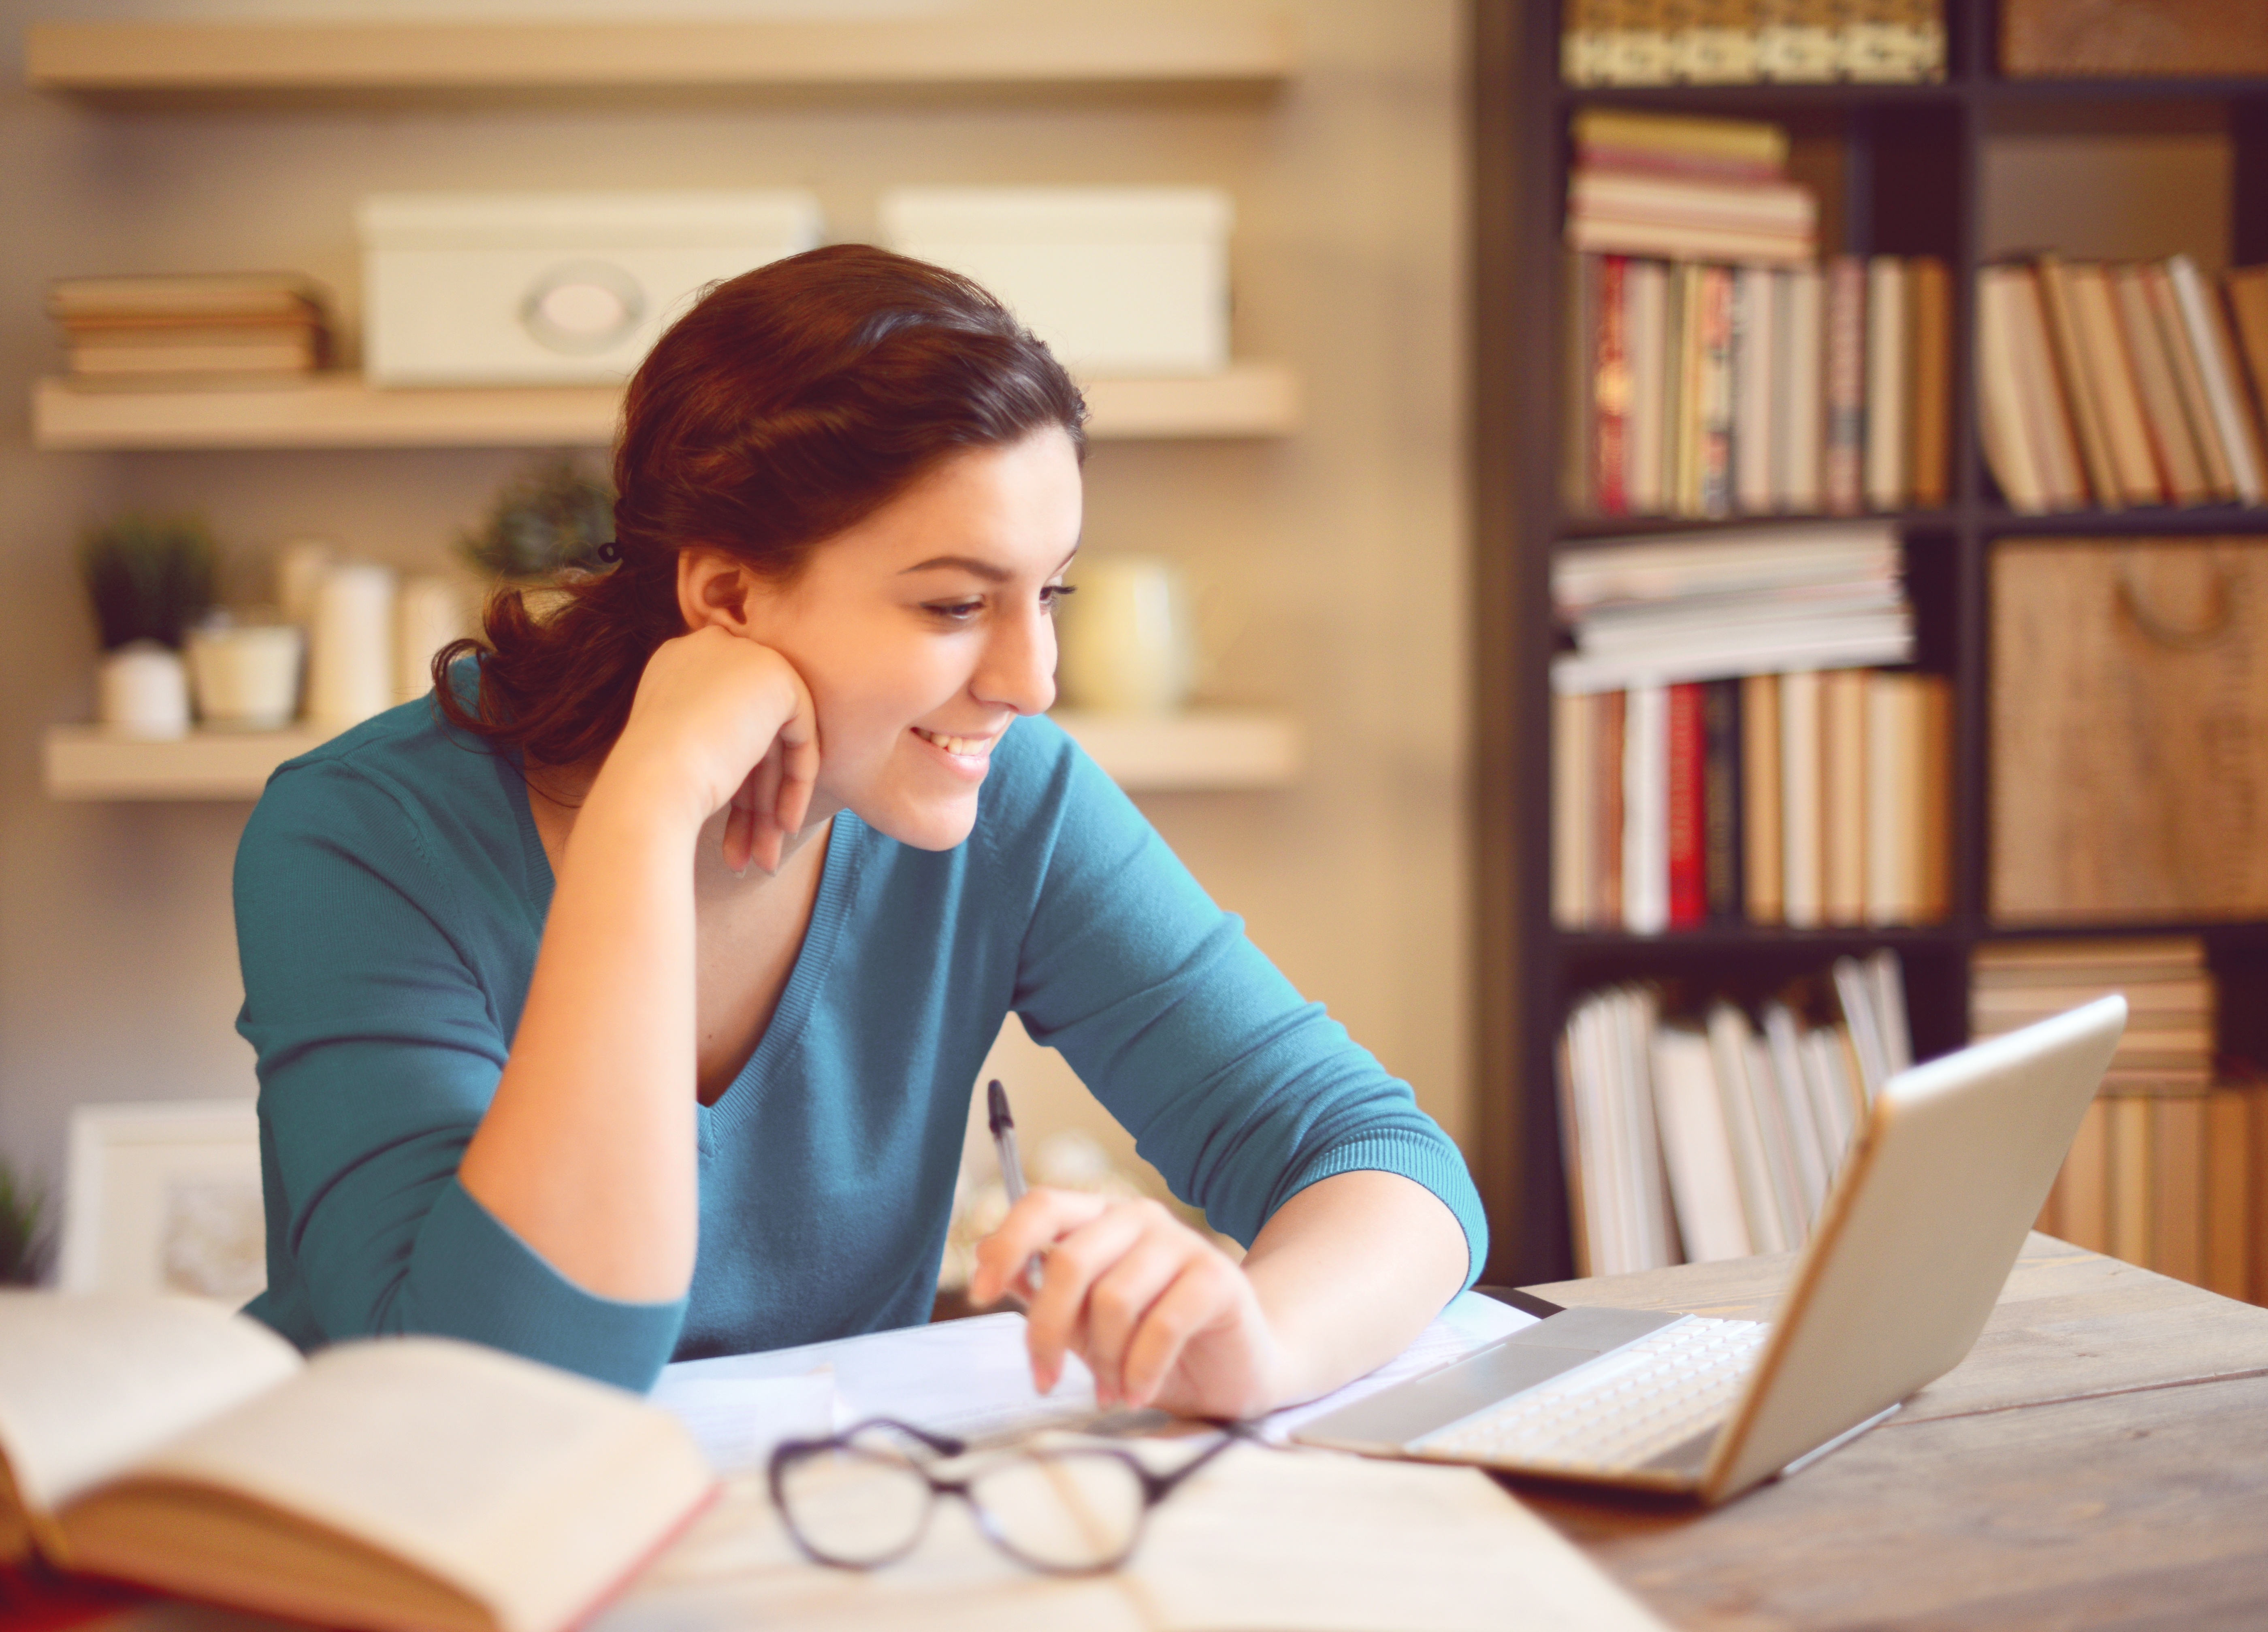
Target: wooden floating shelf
<point>1208,750</point>
<point>343,411</point>
<point>1154,48</point>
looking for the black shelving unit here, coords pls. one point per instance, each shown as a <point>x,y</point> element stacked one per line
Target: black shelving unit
<point>1911,157</point>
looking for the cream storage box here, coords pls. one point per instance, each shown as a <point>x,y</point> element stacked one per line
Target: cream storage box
<point>512,289</point>
<point>1117,280</point>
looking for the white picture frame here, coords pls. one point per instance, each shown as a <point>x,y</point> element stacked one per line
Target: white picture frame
<point>165,1197</point>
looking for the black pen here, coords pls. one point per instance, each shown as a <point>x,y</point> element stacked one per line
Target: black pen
<point>1011,1167</point>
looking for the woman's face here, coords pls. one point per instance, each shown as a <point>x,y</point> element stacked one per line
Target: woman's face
<point>926,629</point>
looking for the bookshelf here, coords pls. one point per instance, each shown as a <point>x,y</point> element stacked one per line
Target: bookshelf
<point>1247,399</point>
<point>1909,161</point>
<point>1204,751</point>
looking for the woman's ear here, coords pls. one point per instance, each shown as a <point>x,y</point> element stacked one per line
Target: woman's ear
<point>713,586</point>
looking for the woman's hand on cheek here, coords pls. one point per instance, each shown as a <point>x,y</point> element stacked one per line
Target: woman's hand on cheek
<point>1158,1314</point>
<point>718,720</point>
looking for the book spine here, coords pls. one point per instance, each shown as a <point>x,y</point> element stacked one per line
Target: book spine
<point>1721,800</point>
<point>1687,814</point>
<point>1929,401</point>
<point>1888,361</point>
<point>1714,406</point>
<point>1803,401</point>
<point>2129,1164</point>
<point>1610,391</point>
<point>1685,410</point>
<point>2110,368</point>
<point>1843,823</point>
<point>2189,383</point>
<point>1755,367</point>
<point>1646,329</point>
<point>1846,385</point>
<point>2178,1131</point>
<point>1802,845</point>
<point>1577,419</point>
<point>2223,382</point>
<point>1612,715</point>
<point>2181,469</point>
<point>2001,422</point>
<point>1762,865</point>
<point>1646,813</point>
<point>2079,384</point>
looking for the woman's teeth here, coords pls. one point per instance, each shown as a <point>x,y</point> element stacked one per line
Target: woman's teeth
<point>956,744</point>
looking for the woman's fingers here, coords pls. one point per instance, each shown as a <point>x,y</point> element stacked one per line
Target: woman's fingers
<point>1074,1264</point>
<point>798,748</point>
<point>1119,1304</point>
<point>1208,1290</point>
<point>762,790</point>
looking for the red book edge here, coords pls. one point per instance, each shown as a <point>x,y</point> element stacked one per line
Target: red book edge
<point>1688,801</point>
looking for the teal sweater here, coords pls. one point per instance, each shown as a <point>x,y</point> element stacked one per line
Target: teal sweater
<point>390,896</point>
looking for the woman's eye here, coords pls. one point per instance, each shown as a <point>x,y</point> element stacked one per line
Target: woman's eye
<point>954,611</point>
<point>1052,594</point>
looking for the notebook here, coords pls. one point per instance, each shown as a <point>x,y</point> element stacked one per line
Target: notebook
<point>1911,1249</point>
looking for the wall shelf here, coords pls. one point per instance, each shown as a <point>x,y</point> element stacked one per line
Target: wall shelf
<point>1153,48</point>
<point>342,411</point>
<point>1207,750</point>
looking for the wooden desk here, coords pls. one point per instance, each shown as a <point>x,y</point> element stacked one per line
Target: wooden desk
<point>2100,1460</point>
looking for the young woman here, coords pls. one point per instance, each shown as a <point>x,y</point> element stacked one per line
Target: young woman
<point>622,1002</point>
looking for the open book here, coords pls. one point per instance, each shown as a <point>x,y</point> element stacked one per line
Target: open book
<point>408,1483</point>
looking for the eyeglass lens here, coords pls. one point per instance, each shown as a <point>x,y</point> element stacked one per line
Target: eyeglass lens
<point>856,1505</point>
<point>1062,1511</point>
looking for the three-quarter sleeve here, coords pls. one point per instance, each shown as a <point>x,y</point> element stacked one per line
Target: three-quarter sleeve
<point>382,978</point>
<point>1239,1091</point>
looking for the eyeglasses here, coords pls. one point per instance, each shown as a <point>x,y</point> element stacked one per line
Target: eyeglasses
<point>863,1499</point>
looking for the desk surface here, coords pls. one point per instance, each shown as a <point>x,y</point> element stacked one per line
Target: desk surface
<point>2100,1461</point>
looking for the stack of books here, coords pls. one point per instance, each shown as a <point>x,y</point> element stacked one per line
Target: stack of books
<point>1652,42</point>
<point>2117,384</point>
<point>1713,367</point>
<point>1720,754</point>
<point>1656,184</point>
<point>2170,1002</point>
<point>1718,1136</point>
<point>191,328</point>
<point>2168,1168</point>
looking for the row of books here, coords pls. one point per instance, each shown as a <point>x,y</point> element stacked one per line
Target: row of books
<point>1646,43</point>
<point>2175,1182</point>
<point>1805,799</point>
<point>2171,996</point>
<point>1694,1135</point>
<point>2116,385</point>
<point>191,326</point>
<point>1696,389</point>
<point>1674,185</point>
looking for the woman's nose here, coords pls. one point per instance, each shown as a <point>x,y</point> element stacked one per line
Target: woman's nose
<point>1020,664</point>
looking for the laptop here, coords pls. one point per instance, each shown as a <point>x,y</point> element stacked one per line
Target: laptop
<point>1909,1255</point>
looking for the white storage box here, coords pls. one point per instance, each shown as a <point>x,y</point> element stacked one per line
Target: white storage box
<point>1117,280</point>
<point>506,289</point>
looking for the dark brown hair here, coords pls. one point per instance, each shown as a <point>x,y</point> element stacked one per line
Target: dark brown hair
<point>789,404</point>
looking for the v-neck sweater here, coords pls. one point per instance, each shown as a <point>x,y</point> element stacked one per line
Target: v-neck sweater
<point>391,890</point>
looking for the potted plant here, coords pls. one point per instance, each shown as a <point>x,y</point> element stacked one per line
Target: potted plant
<point>554,516</point>
<point>23,1236</point>
<point>149,579</point>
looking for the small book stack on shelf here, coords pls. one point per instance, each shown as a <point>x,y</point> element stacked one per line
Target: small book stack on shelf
<point>1719,752</point>
<point>191,329</point>
<point>1656,42</point>
<point>1691,1138</point>
<point>1714,366</point>
<point>2166,1171</point>
<point>2121,385</point>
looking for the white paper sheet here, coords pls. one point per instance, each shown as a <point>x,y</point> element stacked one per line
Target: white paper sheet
<point>970,1378</point>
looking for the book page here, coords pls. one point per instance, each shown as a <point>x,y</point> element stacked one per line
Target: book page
<point>89,1383</point>
<point>1264,1538</point>
<point>529,1489</point>
<point>1260,1540</point>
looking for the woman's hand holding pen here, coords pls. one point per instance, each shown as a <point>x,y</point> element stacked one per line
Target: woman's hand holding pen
<point>1158,1314</point>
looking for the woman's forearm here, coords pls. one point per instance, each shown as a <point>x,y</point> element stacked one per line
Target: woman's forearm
<point>1348,1272</point>
<point>588,1151</point>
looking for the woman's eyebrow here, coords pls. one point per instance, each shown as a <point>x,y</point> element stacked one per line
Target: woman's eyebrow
<point>990,571</point>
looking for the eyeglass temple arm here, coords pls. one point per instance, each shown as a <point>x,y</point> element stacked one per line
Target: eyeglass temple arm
<point>1160,1486</point>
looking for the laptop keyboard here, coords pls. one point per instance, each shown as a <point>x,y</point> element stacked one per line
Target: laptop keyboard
<point>1615,1414</point>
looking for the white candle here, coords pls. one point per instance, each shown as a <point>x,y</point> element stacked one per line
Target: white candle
<point>351,646</point>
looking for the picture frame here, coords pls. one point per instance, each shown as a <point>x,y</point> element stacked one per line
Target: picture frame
<point>165,1197</point>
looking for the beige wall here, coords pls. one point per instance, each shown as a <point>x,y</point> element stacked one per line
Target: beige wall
<point>1341,549</point>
